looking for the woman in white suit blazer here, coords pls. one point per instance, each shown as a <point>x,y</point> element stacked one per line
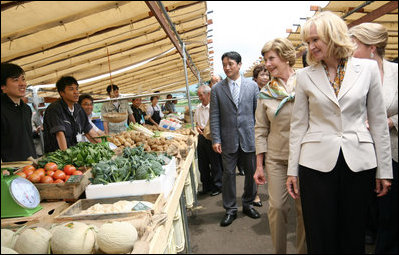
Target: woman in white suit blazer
<point>371,40</point>
<point>338,160</point>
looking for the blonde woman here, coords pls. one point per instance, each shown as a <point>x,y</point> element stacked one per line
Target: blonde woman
<point>338,160</point>
<point>371,40</point>
<point>272,127</point>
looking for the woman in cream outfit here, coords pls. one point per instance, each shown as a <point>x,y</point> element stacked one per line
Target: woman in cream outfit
<point>338,160</point>
<point>371,40</point>
<point>272,127</point>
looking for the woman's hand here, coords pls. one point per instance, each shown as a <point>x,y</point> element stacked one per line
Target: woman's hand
<point>390,123</point>
<point>259,176</point>
<point>382,186</point>
<point>292,186</point>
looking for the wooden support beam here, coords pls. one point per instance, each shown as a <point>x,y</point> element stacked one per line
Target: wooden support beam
<point>386,8</point>
<point>156,11</point>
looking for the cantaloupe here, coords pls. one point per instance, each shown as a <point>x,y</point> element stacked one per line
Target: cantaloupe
<point>33,241</point>
<point>8,238</point>
<point>116,237</point>
<point>6,250</point>
<point>73,238</point>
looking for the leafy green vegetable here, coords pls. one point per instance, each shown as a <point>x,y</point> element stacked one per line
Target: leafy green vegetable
<point>135,164</point>
<point>82,154</point>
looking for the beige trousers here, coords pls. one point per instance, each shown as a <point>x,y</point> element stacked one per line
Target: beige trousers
<point>279,207</point>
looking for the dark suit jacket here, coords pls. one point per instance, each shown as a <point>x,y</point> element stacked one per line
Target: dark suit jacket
<point>232,126</point>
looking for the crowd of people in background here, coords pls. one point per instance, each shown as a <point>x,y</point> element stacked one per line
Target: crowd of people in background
<point>325,135</point>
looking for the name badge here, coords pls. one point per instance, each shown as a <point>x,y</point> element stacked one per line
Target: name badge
<point>79,137</point>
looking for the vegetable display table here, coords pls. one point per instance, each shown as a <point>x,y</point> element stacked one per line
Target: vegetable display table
<point>160,240</point>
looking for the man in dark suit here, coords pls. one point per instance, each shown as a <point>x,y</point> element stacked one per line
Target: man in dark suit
<point>232,121</point>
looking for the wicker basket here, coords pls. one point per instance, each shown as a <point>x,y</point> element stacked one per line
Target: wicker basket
<point>115,117</point>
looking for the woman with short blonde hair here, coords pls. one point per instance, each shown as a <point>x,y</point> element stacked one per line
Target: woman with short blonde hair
<point>284,49</point>
<point>337,158</point>
<point>371,40</point>
<point>338,43</point>
<point>272,130</point>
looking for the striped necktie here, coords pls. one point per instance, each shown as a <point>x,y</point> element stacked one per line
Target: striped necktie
<point>235,93</point>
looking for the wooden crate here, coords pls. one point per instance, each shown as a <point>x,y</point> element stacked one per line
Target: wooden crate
<point>64,191</point>
<point>46,215</point>
<point>72,213</point>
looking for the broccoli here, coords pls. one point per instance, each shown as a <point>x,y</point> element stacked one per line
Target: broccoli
<point>156,167</point>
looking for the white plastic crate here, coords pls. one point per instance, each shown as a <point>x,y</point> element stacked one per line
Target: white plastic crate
<point>162,184</point>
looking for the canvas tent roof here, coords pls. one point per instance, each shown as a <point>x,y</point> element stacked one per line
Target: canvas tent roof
<point>86,38</point>
<point>354,12</point>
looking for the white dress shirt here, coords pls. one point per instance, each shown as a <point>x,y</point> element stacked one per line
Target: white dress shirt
<point>201,115</point>
<point>238,82</point>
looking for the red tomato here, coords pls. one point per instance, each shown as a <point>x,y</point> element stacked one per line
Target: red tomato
<point>28,167</point>
<point>34,178</point>
<point>67,177</point>
<point>77,172</point>
<point>46,179</point>
<point>59,175</point>
<point>51,166</point>
<point>58,181</point>
<point>40,172</point>
<point>50,173</point>
<point>22,174</point>
<point>28,172</point>
<point>69,169</point>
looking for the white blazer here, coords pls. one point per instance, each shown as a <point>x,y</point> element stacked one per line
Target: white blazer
<point>322,123</point>
<point>390,92</point>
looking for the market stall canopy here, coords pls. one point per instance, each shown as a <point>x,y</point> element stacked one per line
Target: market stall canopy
<point>354,13</point>
<point>86,39</point>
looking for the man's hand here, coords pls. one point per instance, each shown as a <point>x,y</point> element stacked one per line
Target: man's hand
<point>199,130</point>
<point>217,147</point>
<point>259,176</point>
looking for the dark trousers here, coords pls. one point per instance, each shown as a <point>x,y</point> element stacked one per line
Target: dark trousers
<point>387,234</point>
<point>230,161</point>
<point>209,164</point>
<point>334,206</point>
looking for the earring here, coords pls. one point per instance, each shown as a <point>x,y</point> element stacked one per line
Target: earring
<point>371,55</point>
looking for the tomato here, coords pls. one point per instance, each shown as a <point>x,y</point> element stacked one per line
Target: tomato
<point>46,179</point>
<point>59,175</point>
<point>58,181</point>
<point>34,178</point>
<point>67,177</point>
<point>30,167</point>
<point>28,172</point>
<point>50,173</point>
<point>69,169</point>
<point>22,174</point>
<point>51,166</point>
<point>40,171</point>
<point>77,172</point>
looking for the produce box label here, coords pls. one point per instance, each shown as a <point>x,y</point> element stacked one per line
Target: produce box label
<point>75,179</point>
<point>141,207</point>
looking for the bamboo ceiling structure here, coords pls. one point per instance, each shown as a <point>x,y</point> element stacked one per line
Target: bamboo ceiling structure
<point>86,39</point>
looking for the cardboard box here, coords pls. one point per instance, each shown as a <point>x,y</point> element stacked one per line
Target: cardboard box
<point>162,184</point>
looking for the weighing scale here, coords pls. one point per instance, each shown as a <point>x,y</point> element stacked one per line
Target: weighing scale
<point>19,197</point>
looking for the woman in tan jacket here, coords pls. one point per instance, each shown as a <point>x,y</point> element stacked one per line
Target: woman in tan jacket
<point>272,127</point>
<point>371,40</point>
